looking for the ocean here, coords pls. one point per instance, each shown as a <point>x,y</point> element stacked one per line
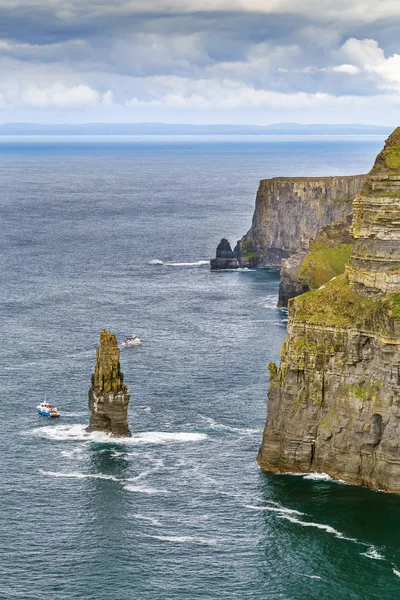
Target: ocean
<point>180,510</point>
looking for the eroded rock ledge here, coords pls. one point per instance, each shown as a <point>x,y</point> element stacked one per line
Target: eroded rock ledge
<point>108,396</point>
<point>334,402</point>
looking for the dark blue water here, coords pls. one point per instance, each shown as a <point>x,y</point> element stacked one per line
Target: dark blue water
<point>181,510</point>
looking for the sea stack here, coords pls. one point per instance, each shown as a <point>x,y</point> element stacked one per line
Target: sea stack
<point>334,403</point>
<point>226,258</point>
<point>108,396</point>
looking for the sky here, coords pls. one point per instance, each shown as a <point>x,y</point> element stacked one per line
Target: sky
<point>200,61</point>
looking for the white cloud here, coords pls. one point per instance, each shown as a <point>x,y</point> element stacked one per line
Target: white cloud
<point>363,52</point>
<point>228,94</point>
<point>350,69</point>
<point>371,59</point>
<point>60,96</point>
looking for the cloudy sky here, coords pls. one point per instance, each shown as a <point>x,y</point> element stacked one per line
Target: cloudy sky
<point>200,61</point>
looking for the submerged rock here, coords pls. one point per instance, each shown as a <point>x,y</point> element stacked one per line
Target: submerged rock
<point>226,258</point>
<point>108,396</point>
<point>334,403</point>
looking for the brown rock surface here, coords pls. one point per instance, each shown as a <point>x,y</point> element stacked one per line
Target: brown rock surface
<point>290,211</point>
<point>334,403</point>
<point>108,396</point>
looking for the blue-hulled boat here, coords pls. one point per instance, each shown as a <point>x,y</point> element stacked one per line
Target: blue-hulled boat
<point>47,410</point>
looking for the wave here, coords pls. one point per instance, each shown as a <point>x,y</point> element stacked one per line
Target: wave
<point>326,528</point>
<point>220,426</point>
<point>78,433</point>
<point>151,520</point>
<point>158,464</point>
<point>197,263</point>
<point>75,475</point>
<point>142,489</point>
<point>373,553</point>
<point>396,572</point>
<point>318,477</point>
<point>270,301</point>
<point>75,453</point>
<point>311,576</point>
<point>278,509</point>
<point>185,539</point>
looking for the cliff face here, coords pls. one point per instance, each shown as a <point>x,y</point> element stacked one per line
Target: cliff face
<point>290,211</point>
<point>309,269</point>
<point>108,396</point>
<point>334,403</point>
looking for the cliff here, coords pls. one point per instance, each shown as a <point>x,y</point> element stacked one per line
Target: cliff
<point>290,211</point>
<point>108,396</point>
<point>334,403</point>
<point>326,257</point>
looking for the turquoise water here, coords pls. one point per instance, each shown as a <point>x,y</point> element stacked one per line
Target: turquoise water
<point>180,511</point>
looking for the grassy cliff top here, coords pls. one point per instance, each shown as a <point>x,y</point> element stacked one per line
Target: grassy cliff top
<point>336,304</point>
<point>388,160</point>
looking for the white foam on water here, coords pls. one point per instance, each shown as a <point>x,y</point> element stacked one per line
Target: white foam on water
<point>321,526</point>
<point>158,464</point>
<point>270,301</point>
<point>243,430</point>
<point>373,553</point>
<point>75,453</point>
<point>318,477</point>
<point>396,572</point>
<point>142,489</point>
<point>311,576</point>
<point>72,414</point>
<point>197,263</point>
<point>185,539</point>
<point>75,475</point>
<point>78,433</point>
<point>278,509</point>
<point>155,261</point>
<point>151,520</point>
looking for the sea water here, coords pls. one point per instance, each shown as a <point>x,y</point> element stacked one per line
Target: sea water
<point>115,233</point>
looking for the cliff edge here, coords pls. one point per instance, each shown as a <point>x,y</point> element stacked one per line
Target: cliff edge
<point>334,403</point>
<point>290,211</point>
<point>108,396</point>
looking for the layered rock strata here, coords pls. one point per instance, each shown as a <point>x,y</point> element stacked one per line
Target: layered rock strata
<point>309,269</point>
<point>108,396</point>
<point>225,258</point>
<point>290,211</point>
<point>334,402</point>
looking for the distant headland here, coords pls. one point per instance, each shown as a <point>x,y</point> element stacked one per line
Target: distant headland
<point>191,129</point>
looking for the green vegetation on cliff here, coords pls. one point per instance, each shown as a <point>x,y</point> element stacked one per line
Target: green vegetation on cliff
<point>336,304</point>
<point>323,262</point>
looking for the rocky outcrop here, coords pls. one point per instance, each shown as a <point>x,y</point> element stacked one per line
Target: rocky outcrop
<point>334,402</point>
<point>108,396</point>
<point>291,283</point>
<point>226,258</point>
<point>289,213</point>
<point>309,269</point>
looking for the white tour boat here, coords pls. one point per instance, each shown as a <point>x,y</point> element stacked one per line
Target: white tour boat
<point>131,340</point>
<point>47,410</point>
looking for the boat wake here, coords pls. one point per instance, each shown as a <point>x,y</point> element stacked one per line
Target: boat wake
<point>292,515</point>
<point>196,263</point>
<point>212,424</point>
<point>185,539</point>
<point>75,475</point>
<point>78,433</point>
